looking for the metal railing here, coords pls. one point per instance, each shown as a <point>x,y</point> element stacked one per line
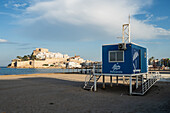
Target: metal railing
<point>151,79</point>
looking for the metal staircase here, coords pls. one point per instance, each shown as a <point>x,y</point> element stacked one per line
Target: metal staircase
<point>147,84</point>
<point>89,79</point>
<point>89,82</point>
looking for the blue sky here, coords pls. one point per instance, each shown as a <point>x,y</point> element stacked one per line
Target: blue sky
<point>81,26</point>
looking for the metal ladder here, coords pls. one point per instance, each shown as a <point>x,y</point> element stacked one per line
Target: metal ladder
<point>89,79</point>
<point>89,82</point>
<point>147,84</point>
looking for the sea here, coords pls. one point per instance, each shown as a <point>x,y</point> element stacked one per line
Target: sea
<point>165,76</point>
<point>18,71</point>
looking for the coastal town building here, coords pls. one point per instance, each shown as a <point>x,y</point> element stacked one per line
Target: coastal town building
<point>73,65</point>
<point>162,64</point>
<point>46,59</point>
<point>38,50</point>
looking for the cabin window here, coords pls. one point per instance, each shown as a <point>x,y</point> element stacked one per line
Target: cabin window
<point>116,56</point>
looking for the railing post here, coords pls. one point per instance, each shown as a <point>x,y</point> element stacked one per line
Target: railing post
<point>94,69</point>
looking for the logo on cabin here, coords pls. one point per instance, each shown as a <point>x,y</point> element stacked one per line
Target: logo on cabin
<point>136,61</point>
<point>135,55</point>
<point>116,68</point>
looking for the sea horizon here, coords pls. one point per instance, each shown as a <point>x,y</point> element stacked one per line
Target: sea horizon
<point>19,71</point>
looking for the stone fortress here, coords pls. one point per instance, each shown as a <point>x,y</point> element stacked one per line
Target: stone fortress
<point>46,59</point>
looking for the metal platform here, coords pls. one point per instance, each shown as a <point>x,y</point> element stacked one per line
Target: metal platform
<point>147,80</point>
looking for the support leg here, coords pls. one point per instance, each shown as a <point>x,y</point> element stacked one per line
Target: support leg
<point>123,79</point>
<point>142,83</point>
<point>142,78</point>
<point>146,77</point>
<point>117,80</point>
<point>111,85</point>
<point>103,81</point>
<point>95,83</point>
<point>130,85</point>
<point>136,81</point>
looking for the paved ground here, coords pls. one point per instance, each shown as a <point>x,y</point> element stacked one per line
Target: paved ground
<point>56,93</point>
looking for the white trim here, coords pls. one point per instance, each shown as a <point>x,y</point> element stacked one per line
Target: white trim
<point>116,56</point>
<point>126,43</point>
<point>120,75</point>
<point>136,70</point>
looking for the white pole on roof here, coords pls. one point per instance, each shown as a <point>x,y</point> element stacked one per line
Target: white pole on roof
<point>123,34</point>
<point>129,28</point>
<point>126,32</point>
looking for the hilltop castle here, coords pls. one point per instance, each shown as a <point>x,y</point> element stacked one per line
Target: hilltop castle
<point>45,59</point>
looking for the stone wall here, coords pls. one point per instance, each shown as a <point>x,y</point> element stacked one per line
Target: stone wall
<point>36,63</point>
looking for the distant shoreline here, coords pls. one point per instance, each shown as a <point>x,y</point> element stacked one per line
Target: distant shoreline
<point>71,73</point>
<point>36,68</point>
<point>30,74</point>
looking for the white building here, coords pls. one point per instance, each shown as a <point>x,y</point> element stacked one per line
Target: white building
<point>73,65</point>
<point>44,55</point>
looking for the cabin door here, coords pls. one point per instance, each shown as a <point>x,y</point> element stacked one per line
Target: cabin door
<point>136,60</point>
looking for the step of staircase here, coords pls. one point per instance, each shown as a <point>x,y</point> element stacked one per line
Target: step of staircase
<point>90,83</point>
<point>88,87</point>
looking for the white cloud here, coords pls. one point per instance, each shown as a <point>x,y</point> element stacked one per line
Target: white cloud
<point>19,5</point>
<point>148,18</point>
<point>10,14</point>
<point>6,5</point>
<point>3,40</point>
<point>162,18</point>
<point>102,15</point>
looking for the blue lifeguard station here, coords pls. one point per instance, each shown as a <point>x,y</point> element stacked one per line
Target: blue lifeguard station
<point>124,60</point>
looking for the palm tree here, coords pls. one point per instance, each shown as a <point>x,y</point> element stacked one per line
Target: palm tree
<point>19,57</point>
<point>151,59</point>
<point>33,57</point>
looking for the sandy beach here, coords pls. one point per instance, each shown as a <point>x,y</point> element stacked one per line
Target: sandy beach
<point>63,93</point>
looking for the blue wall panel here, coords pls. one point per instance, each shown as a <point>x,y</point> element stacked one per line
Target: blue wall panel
<point>133,52</point>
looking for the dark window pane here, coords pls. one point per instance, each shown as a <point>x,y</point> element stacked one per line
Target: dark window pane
<point>112,56</point>
<point>120,56</point>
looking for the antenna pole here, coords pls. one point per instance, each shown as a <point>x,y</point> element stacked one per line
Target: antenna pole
<point>123,37</point>
<point>129,28</point>
<point>126,32</point>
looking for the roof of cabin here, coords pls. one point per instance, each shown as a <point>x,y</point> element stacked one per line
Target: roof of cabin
<point>120,43</point>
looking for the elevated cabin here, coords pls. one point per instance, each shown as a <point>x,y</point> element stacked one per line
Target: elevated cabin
<point>124,58</point>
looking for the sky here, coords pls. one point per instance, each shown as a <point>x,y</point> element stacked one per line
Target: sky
<point>81,27</point>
